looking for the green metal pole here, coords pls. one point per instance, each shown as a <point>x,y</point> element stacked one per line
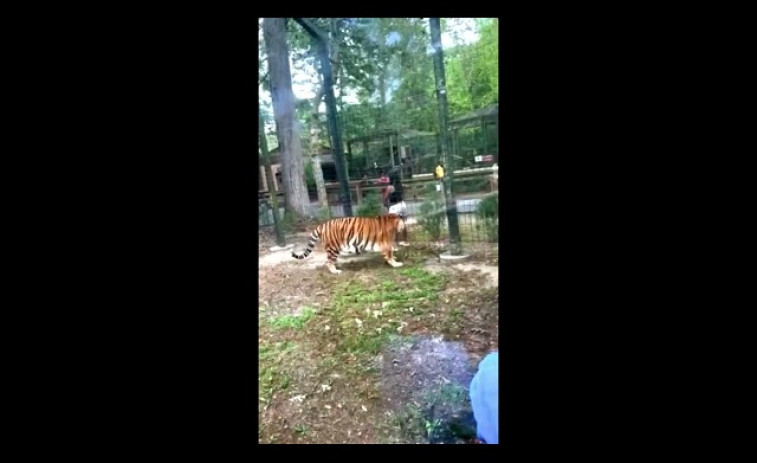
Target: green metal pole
<point>483,129</point>
<point>441,92</point>
<point>336,140</point>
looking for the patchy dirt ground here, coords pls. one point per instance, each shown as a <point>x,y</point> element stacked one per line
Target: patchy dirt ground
<point>375,354</point>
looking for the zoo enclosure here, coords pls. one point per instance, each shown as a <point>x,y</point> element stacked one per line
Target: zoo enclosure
<point>383,134</point>
<point>415,154</point>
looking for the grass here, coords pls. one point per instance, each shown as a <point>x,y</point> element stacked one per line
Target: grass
<point>269,351</point>
<point>328,355</point>
<point>366,318</point>
<point>448,393</point>
<point>272,378</point>
<point>295,322</point>
<point>429,421</point>
<point>362,316</point>
<point>415,425</point>
<point>410,422</point>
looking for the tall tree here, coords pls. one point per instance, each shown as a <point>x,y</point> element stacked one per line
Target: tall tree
<point>306,50</point>
<point>290,145</point>
<point>315,120</point>
<point>385,63</point>
<point>473,77</point>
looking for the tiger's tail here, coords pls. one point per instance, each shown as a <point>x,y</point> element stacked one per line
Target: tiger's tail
<point>314,237</point>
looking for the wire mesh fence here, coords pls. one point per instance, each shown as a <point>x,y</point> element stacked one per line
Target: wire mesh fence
<point>477,219</point>
<point>411,161</point>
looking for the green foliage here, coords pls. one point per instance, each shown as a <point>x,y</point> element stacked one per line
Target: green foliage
<point>288,222</point>
<point>409,292</point>
<point>470,185</point>
<point>309,177</point>
<point>391,53</point>
<point>294,322</point>
<point>473,71</point>
<point>432,212</point>
<point>487,216</point>
<point>370,206</point>
<point>324,213</point>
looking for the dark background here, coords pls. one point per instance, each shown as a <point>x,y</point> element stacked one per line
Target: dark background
<point>149,155</point>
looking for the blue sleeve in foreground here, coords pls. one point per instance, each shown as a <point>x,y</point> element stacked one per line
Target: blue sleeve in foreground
<point>484,395</point>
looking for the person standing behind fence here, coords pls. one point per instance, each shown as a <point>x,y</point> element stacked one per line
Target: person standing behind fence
<point>394,201</point>
<point>387,190</point>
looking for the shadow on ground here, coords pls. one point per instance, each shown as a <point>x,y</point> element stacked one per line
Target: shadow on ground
<point>424,381</point>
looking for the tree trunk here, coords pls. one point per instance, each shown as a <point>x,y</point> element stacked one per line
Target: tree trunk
<point>315,131</point>
<point>382,79</point>
<point>270,180</point>
<point>290,146</point>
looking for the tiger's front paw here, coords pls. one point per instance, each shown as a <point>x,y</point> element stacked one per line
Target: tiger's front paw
<point>394,263</point>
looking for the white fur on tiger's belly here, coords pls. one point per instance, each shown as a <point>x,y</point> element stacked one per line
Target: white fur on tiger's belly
<point>350,249</point>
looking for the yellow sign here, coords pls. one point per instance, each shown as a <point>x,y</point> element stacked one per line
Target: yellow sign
<point>439,172</point>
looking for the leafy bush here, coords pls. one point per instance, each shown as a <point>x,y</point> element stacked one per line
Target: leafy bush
<point>371,205</point>
<point>432,212</point>
<point>488,217</point>
<point>470,185</point>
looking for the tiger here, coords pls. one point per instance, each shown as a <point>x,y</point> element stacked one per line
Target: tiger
<point>361,233</point>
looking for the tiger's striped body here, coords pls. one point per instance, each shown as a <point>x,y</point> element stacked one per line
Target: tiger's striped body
<point>359,233</point>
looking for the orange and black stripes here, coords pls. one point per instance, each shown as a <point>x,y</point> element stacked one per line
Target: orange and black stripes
<point>360,233</point>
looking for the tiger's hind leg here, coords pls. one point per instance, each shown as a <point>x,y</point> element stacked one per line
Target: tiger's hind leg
<point>388,254</point>
<point>402,238</point>
<point>331,262</point>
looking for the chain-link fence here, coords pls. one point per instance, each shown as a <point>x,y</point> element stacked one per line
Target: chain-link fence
<point>410,157</point>
<point>477,216</point>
